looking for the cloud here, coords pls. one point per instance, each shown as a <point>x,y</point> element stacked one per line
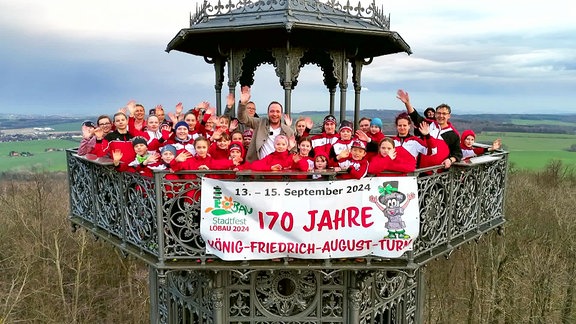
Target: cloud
<point>77,56</point>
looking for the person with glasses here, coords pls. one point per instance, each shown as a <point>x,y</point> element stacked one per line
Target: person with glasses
<point>103,126</point>
<point>447,139</point>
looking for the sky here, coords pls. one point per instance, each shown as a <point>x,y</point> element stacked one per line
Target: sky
<point>77,58</point>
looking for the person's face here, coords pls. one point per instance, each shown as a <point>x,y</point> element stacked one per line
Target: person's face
<point>374,129</point>
<point>364,126</point>
<point>120,122</point>
<point>153,124</point>
<point>357,153</point>
<point>246,141</point>
<point>105,125</point>
<point>469,141</point>
<point>223,143</point>
<point>160,114</point>
<point>320,163</point>
<point>430,114</point>
<point>201,148</point>
<point>386,148</point>
<point>190,119</point>
<point>442,116</point>
<point>274,114</point>
<point>300,127</point>
<point>237,137</point>
<point>235,154</point>
<point>167,156</point>
<point>251,109</point>
<point>345,134</point>
<point>281,146</point>
<point>209,125</point>
<point>223,124</point>
<point>139,112</point>
<point>304,147</point>
<point>402,127</point>
<point>330,128</point>
<point>140,149</point>
<point>182,132</point>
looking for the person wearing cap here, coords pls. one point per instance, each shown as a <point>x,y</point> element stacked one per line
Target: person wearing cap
<point>448,144</point>
<point>143,158</point>
<point>181,139</point>
<point>266,129</point>
<point>467,145</point>
<point>354,163</point>
<point>373,137</point>
<point>247,138</point>
<point>236,154</point>
<point>344,143</point>
<point>118,140</point>
<point>325,140</point>
<point>88,139</point>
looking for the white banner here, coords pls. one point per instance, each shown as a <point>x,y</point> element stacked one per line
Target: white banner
<point>309,219</point>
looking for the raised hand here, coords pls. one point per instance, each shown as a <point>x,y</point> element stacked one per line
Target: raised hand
<point>173,118</point>
<point>152,158</point>
<point>211,111</point>
<point>291,142</point>
<point>99,133</point>
<point>392,154</point>
<point>403,96</point>
<point>362,136</point>
<point>230,100</point>
<point>159,107</point>
<point>309,123</point>
<point>497,144</point>
<point>424,128</point>
<point>131,105</point>
<point>87,132</point>
<point>123,110</point>
<point>288,120</point>
<point>203,105</point>
<point>185,155</point>
<point>179,108</point>
<point>244,94</point>
<point>233,125</point>
<point>296,158</point>
<point>117,156</point>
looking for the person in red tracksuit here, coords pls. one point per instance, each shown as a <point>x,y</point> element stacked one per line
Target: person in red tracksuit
<point>446,137</point>
<point>467,145</point>
<point>391,159</point>
<point>119,140</point>
<point>356,163</point>
<point>324,141</point>
<point>279,160</point>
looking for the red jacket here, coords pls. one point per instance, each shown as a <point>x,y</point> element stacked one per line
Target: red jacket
<point>404,162</point>
<point>356,169</point>
<point>265,164</point>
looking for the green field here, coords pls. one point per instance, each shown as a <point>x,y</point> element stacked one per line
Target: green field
<point>530,122</point>
<point>48,161</point>
<point>534,151</point>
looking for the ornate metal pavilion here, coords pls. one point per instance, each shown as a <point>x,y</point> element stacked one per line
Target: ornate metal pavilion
<point>289,34</point>
<point>146,218</point>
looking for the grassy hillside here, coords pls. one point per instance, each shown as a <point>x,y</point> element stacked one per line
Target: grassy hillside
<point>41,160</point>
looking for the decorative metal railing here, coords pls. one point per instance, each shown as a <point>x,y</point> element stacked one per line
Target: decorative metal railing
<point>157,219</point>
<point>325,8</point>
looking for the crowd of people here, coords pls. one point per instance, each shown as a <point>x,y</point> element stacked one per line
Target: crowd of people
<point>198,139</point>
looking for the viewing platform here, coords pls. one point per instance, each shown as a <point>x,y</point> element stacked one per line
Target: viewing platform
<point>157,221</point>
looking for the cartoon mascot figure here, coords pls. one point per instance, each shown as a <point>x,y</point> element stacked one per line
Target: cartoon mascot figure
<point>389,203</point>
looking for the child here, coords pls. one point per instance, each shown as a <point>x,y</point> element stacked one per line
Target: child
<point>391,159</point>
<point>468,149</point>
<point>278,160</point>
<point>236,136</point>
<point>247,138</point>
<point>303,127</point>
<point>181,139</point>
<point>375,136</point>
<point>143,157</point>
<point>237,155</point>
<point>320,164</point>
<point>302,160</point>
<point>219,148</point>
<point>355,164</point>
<point>344,143</point>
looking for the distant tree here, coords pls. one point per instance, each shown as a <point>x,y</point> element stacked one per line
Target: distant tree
<point>572,148</point>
